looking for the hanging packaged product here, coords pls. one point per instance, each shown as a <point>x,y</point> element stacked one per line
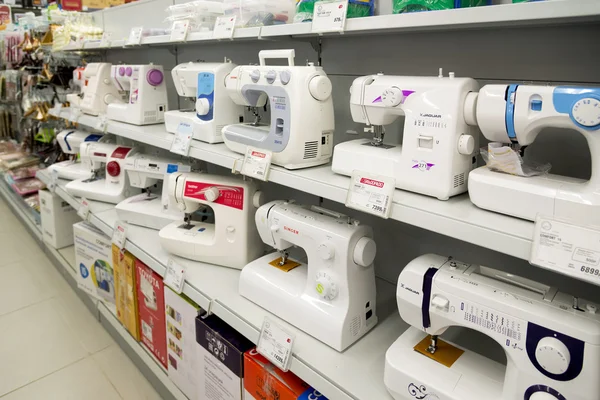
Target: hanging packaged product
<point>125,290</point>
<point>402,6</point>
<point>251,13</point>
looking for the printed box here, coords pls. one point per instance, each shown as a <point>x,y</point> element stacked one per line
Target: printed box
<point>126,291</point>
<point>57,218</point>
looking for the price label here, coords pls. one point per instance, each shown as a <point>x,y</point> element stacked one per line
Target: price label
<point>53,181</point>
<point>257,163</point>
<point>224,27</point>
<point>566,247</point>
<point>329,16</point>
<point>275,343</point>
<point>106,39</point>
<point>372,194</point>
<point>120,234</point>
<point>183,139</point>
<point>56,109</point>
<point>179,31</point>
<point>84,209</point>
<point>135,36</point>
<point>101,123</point>
<point>74,114</point>
<point>175,276</point>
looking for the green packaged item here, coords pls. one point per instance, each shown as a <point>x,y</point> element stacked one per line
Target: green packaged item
<point>403,6</point>
<point>356,9</point>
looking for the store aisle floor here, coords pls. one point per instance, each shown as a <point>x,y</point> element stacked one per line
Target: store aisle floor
<point>51,346</point>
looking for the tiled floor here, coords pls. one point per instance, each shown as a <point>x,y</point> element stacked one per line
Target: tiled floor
<point>51,346</point>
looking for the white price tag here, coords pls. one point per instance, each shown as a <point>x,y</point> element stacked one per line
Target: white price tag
<point>329,16</point>
<point>101,123</point>
<point>372,194</point>
<point>56,109</point>
<point>179,31</point>
<point>84,209</point>
<point>275,343</point>
<point>120,234</point>
<point>224,27</point>
<point>74,114</point>
<point>174,276</point>
<point>135,35</point>
<point>183,139</point>
<point>106,39</point>
<point>257,163</point>
<point>53,181</point>
<point>568,248</point>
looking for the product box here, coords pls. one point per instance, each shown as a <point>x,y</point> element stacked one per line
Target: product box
<point>126,291</point>
<point>181,313</point>
<point>219,360</point>
<point>151,309</point>
<point>264,381</point>
<point>93,256</point>
<point>57,218</point>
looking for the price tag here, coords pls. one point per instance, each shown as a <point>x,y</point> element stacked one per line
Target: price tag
<point>56,109</point>
<point>179,31</point>
<point>175,276</point>
<point>257,163</point>
<point>74,114</point>
<point>372,194</point>
<point>135,36</point>
<point>224,27</point>
<point>183,139</point>
<point>84,209</point>
<point>53,181</point>
<point>106,39</point>
<point>101,123</point>
<point>566,247</point>
<point>329,16</point>
<point>275,343</point>
<point>120,234</point>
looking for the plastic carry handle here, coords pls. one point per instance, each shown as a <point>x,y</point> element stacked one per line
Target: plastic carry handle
<point>289,54</point>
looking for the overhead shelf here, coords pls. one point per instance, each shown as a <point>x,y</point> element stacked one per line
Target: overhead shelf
<point>457,217</point>
<point>523,14</point>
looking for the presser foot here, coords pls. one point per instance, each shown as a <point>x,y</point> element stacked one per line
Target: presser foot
<point>432,348</point>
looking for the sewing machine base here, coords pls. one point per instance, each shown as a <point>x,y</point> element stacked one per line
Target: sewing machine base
<point>284,294</point>
<point>525,197</point>
<point>134,115</point>
<point>70,170</point>
<point>201,130</point>
<point>411,375</point>
<point>147,213</point>
<point>100,191</point>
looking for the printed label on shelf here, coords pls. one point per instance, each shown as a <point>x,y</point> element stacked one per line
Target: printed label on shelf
<point>257,163</point>
<point>372,194</point>
<point>53,181</point>
<point>175,276</point>
<point>101,123</point>
<point>224,27</point>
<point>135,35</point>
<point>120,234</point>
<point>56,109</point>
<point>567,247</point>
<point>275,343</point>
<point>84,209</point>
<point>75,113</point>
<point>183,139</point>
<point>106,38</point>
<point>329,16</point>
<point>179,31</point>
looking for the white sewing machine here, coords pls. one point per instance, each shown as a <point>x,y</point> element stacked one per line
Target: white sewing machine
<point>551,339</point>
<point>232,240</point>
<point>145,93</point>
<point>438,146</point>
<point>78,84</point>
<point>205,83</point>
<point>98,91</point>
<point>301,130</point>
<point>108,182</point>
<point>516,114</point>
<point>149,209</point>
<point>332,296</point>
<point>70,141</point>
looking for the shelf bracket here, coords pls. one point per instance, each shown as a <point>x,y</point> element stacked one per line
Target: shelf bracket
<point>317,45</point>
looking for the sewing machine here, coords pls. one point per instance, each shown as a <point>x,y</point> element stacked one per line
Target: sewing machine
<point>438,146</point>
<point>70,141</point>
<point>515,115</point>
<point>205,83</point>
<point>331,296</point>
<point>232,240</point>
<point>108,182</point>
<point>78,83</point>
<point>551,339</point>
<point>301,130</point>
<point>98,91</point>
<point>145,93</point>
<point>149,209</point>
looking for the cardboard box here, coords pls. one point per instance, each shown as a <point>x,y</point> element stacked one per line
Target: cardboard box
<point>220,360</point>
<point>181,313</point>
<point>57,218</point>
<point>151,309</point>
<point>93,257</point>
<point>126,291</point>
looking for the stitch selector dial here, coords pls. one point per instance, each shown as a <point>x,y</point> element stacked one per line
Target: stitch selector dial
<point>326,286</point>
<point>553,355</point>
<point>392,97</point>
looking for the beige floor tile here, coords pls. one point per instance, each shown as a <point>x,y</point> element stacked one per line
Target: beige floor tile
<point>17,247</point>
<point>21,288</point>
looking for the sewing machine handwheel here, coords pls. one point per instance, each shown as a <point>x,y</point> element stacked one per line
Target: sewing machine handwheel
<point>320,87</point>
<point>364,251</point>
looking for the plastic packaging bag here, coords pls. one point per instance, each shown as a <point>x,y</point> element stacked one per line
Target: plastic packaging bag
<point>402,6</point>
<point>502,158</point>
<point>356,9</point>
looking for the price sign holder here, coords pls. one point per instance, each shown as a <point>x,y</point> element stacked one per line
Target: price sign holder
<point>179,31</point>
<point>183,139</point>
<point>56,109</point>
<point>135,36</point>
<point>275,343</point>
<point>102,123</point>
<point>175,276</point>
<point>84,209</point>
<point>106,39</point>
<point>53,181</point>
<point>120,234</point>
<point>224,27</point>
<point>75,114</point>
<point>329,16</point>
<point>370,193</point>
<point>257,163</point>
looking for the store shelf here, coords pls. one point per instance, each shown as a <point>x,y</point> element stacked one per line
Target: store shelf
<point>357,373</point>
<point>523,14</point>
<point>457,217</point>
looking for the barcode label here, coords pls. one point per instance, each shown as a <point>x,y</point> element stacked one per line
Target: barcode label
<point>147,330</point>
